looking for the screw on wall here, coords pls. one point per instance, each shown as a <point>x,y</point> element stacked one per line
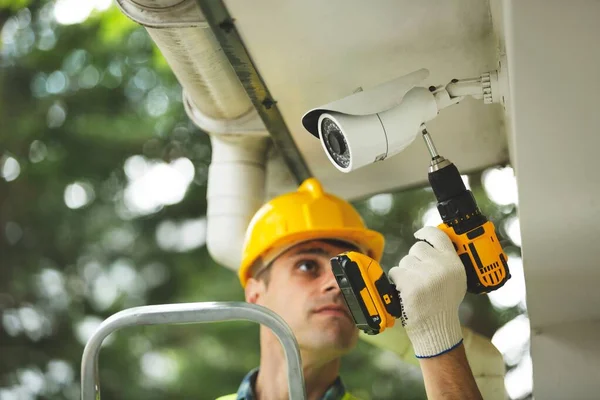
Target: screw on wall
<point>268,103</point>
<point>227,25</point>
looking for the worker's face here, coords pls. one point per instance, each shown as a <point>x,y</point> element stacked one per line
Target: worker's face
<point>302,289</point>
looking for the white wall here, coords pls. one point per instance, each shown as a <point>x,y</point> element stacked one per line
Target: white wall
<point>553,50</point>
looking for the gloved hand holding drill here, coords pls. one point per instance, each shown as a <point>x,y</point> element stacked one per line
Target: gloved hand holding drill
<point>431,281</point>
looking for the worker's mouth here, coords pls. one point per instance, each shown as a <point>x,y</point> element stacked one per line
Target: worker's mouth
<point>333,310</point>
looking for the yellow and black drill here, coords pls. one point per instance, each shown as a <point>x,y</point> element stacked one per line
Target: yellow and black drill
<point>473,236</point>
<point>372,298</point>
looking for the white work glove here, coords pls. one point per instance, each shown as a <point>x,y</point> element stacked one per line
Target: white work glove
<point>432,282</point>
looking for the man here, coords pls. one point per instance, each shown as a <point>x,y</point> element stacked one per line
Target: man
<point>286,268</point>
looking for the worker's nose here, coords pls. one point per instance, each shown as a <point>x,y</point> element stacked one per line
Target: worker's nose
<point>330,283</point>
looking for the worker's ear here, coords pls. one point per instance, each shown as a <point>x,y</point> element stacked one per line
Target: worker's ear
<point>255,289</point>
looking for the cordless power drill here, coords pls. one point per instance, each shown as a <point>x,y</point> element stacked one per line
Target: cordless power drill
<point>373,300</point>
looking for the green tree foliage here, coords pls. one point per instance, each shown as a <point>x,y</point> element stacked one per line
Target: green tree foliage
<point>83,108</point>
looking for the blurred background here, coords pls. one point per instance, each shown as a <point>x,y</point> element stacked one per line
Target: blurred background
<point>102,207</point>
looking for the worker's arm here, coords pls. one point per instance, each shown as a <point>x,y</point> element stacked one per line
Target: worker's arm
<point>432,282</point>
<point>448,376</point>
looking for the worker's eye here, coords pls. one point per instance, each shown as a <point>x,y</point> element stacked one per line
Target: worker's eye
<point>309,266</point>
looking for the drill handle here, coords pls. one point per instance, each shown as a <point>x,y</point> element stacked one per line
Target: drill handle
<point>484,260</point>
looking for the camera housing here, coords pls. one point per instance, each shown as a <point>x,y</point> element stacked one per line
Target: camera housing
<point>374,124</point>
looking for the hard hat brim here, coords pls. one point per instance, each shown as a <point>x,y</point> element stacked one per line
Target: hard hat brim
<point>372,242</point>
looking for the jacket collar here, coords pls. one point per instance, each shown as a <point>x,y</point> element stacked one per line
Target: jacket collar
<point>246,390</point>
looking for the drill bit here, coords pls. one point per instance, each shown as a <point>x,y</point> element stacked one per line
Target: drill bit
<point>437,161</point>
<point>430,146</point>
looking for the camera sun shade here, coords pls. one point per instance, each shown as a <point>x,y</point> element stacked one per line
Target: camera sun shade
<point>372,101</point>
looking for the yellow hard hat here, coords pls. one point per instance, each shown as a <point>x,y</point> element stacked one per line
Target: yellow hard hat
<point>306,214</point>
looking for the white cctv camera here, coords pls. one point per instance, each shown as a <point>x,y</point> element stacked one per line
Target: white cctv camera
<point>374,124</point>
<point>377,123</point>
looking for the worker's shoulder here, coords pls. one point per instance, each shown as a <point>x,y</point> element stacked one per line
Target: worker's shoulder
<point>349,396</point>
<point>232,396</point>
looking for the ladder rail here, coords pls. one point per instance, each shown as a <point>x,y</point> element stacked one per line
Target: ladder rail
<point>189,313</point>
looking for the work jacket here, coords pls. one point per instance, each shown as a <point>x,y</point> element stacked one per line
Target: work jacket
<point>336,391</point>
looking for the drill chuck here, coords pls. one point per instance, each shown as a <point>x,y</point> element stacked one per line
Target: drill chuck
<point>455,203</point>
<point>446,182</point>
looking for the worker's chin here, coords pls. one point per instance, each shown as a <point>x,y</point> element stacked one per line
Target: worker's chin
<point>338,335</point>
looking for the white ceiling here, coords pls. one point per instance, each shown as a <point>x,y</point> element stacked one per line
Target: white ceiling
<point>312,52</point>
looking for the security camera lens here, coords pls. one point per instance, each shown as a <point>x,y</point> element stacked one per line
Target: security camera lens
<point>335,142</point>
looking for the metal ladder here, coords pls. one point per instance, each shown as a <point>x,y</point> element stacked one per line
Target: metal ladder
<point>186,313</point>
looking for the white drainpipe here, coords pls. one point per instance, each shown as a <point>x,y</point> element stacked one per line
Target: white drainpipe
<point>236,180</point>
<point>216,101</point>
<point>183,36</point>
<point>236,189</point>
